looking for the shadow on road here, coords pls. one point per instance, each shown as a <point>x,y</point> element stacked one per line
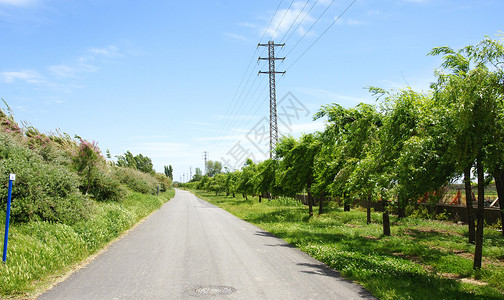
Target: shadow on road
<point>323,270</point>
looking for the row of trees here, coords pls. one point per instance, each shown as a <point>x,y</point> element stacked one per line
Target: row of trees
<point>137,162</point>
<point>407,145</point>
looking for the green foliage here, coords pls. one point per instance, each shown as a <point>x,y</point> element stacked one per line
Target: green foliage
<point>213,168</point>
<point>202,184</point>
<point>105,187</point>
<point>265,177</point>
<point>136,180</point>
<point>296,169</point>
<point>217,183</point>
<point>245,182</point>
<point>42,191</point>
<point>168,171</point>
<point>198,175</point>
<point>346,163</point>
<point>136,162</point>
<point>165,182</point>
<point>86,160</point>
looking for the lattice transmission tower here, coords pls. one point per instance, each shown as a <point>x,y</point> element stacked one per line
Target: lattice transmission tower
<point>273,111</point>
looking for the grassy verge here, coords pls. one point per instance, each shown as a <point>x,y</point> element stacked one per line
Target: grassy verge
<point>421,260</point>
<point>39,252</point>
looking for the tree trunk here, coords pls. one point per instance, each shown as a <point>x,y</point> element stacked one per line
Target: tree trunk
<point>386,220</point>
<point>234,196</point>
<point>478,251</point>
<point>310,198</point>
<point>369,208</point>
<point>260,198</point>
<point>499,184</point>
<point>346,203</point>
<point>321,204</point>
<point>469,204</point>
<point>401,208</point>
<point>310,204</point>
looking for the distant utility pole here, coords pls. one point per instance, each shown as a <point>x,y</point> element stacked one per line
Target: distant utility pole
<point>273,111</point>
<point>190,173</point>
<point>205,157</point>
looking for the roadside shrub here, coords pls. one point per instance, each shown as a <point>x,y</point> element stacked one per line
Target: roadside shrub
<point>48,148</point>
<point>86,159</point>
<point>42,191</point>
<point>165,183</point>
<point>136,180</point>
<point>105,187</point>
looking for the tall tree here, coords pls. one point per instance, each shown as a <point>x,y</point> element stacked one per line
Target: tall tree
<point>349,136</point>
<point>245,182</point>
<point>264,179</point>
<point>168,171</point>
<point>475,97</point>
<point>198,175</point>
<point>297,165</point>
<point>137,162</point>
<point>490,54</point>
<point>213,168</point>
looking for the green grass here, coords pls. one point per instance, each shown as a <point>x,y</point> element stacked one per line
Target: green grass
<point>40,252</point>
<point>421,260</point>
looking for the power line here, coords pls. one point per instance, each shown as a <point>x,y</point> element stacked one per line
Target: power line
<point>295,20</point>
<point>320,36</point>
<point>271,20</point>
<point>306,32</point>
<point>281,21</point>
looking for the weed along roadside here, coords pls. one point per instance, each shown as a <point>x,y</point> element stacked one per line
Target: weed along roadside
<point>422,259</point>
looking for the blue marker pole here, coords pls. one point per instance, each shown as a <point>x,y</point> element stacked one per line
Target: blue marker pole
<point>12,177</point>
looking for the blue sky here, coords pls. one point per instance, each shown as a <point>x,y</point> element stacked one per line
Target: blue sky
<point>171,79</point>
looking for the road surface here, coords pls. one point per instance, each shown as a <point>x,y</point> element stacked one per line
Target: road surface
<point>191,249</point>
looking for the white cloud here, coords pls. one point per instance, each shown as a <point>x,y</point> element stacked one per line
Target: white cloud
<point>85,63</point>
<point>29,76</point>
<point>285,19</point>
<point>236,36</point>
<point>71,71</point>
<point>63,71</point>
<point>110,51</point>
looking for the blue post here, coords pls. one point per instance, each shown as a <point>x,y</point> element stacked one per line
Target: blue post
<point>12,177</point>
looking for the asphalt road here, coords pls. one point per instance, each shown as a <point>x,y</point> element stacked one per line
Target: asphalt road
<point>192,249</point>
